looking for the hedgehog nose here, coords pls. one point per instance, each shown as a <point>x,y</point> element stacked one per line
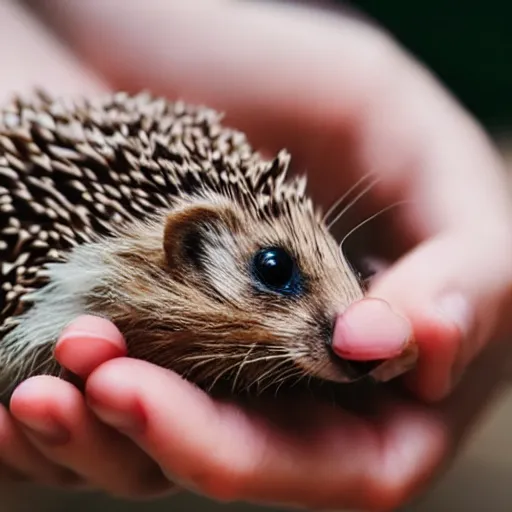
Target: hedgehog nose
<point>367,333</point>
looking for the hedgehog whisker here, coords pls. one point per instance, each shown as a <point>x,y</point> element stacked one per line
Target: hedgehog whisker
<point>284,377</point>
<point>332,209</point>
<point>301,376</point>
<point>194,367</point>
<point>232,348</point>
<point>352,203</point>
<point>244,362</point>
<point>293,378</point>
<point>209,359</point>
<point>232,353</point>
<point>370,218</point>
<point>201,362</point>
<point>216,357</point>
<point>221,374</point>
<point>200,359</point>
<point>203,357</point>
<point>287,376</point>
<point>270,373</point>
<point>267,358</point>
<point>237,350</point>
<point>48,365</point>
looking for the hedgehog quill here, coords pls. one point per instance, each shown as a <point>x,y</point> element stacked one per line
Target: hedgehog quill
<point>210,261</point>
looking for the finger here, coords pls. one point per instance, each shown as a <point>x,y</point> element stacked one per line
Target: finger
<point>31,57</point>
<point>88,342</point>
<point>227,453</point>
<point>454,297</point>
<point>369,330</point>
<point>55,418</point>
<point>22,461</point>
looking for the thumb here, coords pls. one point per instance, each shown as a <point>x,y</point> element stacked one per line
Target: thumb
<point>455,290</point>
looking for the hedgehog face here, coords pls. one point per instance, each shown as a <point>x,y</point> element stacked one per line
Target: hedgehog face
<point>233,294</point>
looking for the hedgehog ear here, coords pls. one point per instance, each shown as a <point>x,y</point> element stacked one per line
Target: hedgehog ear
<point>186,231</point>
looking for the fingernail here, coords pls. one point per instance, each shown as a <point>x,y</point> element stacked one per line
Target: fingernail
<point>92,328</point>
<point>128,422</point>
<point>80,336</point>
<point>370,330</point>
<point>87,343</point>
<point>455,308</point>
<point>82,354</point>
<point>48,431</point>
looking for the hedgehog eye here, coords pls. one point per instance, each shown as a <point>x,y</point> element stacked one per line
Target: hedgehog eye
<point>276,270</point>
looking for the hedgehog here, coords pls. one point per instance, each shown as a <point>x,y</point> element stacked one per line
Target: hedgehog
<point>151,213</point>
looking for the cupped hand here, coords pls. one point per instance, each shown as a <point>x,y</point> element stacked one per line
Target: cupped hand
<point>151,430</point>
<point>346,101</point>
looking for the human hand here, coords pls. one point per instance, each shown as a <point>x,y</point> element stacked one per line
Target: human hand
<point>289,452</point>
<point>375,107</point>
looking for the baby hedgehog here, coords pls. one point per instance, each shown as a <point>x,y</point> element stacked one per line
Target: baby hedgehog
<point>155,216</point>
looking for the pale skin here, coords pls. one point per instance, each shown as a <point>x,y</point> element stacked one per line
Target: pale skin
<point>341,97</point>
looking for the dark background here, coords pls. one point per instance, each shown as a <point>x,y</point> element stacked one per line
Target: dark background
<point>468,44</point>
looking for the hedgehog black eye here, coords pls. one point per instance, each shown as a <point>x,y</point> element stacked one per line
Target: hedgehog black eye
<point>276,270</point>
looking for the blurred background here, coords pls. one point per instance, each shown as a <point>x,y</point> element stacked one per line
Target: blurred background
<point>469,47</point>
<point>467,44</point>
